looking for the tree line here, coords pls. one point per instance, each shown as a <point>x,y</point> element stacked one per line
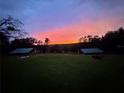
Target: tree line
<point>112,41</point>
<point>12,30</point>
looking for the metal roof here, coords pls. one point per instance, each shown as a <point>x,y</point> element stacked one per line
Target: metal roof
<point>91,50</point>
<point>21,51</point>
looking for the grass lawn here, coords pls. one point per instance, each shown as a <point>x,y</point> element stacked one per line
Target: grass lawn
<point>61,73</point>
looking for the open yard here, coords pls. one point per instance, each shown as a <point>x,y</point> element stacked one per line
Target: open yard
<point>63,73</point>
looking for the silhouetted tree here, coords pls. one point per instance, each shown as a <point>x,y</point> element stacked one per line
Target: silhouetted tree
<point>109,42</point>
<point>46,47</point>
<point>95,39</point>
<point>86,39</point>
<point>39,42</point>
<point>81,39</point>
<point>10,28</point>
<point>112,39</point>
<point>47,41</point>
<point>25,42</point>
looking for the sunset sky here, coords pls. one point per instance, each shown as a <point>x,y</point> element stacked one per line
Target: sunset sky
<point>65,20</point>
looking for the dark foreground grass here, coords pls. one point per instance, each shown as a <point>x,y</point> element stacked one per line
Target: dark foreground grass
<point>63,74</point>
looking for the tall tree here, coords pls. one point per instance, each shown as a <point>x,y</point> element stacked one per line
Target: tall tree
<point>114,37</point>
<point>46,47</point>
<point>47,40</point>
<point>12,28</point>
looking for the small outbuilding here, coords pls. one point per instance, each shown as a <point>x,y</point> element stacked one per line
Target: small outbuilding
<point>91,51</point>
<point>22,51</point>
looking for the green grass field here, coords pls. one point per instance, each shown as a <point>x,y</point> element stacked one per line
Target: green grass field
<point>61,73</point>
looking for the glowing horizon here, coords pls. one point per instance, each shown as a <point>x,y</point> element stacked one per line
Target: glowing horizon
<point>64,42</point>
<point>71,33</point>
